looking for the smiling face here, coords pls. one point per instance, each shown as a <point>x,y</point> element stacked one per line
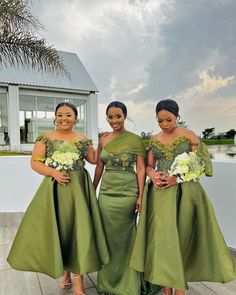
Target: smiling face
<point>116,118</point>
<point>65,118</point>
<point>166,121</point>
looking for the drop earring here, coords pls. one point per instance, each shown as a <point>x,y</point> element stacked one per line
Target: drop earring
<point>54,122</point>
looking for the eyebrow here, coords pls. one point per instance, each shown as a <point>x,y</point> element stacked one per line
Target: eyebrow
<point>59,113</point>
<point>115,114</point>
<point>163,118</point>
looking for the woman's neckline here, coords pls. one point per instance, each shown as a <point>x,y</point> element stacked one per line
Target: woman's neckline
<point>173,142</point>
<point>114,138</point>
<point>74,140</point>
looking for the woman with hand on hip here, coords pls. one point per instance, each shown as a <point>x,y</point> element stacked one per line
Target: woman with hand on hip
<point>120,196</point>
<point>61,231</point>
<point>178,238</point>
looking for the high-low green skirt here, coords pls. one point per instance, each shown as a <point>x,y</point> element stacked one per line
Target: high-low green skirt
<point>179,240</point>
<point>61,230</point>
<point>117,201</point>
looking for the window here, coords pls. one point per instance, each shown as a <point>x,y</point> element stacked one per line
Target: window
<point>37,115</point>
<point>3,119</point>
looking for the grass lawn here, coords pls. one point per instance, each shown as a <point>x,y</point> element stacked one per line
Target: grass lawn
<point>9,153</point>
<point>206,141</point>
<point>217,141</point>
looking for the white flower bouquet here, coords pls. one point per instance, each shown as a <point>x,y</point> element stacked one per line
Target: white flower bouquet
<point>187,167</point>
<point>62,161</point>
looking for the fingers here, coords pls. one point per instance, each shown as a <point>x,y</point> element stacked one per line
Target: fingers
<point>62,178</point>
<point>138,208</point>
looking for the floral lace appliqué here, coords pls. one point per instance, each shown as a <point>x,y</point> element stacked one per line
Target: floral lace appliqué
<point>121,161</point>
<point>80,148</point>
<point>166,153</point>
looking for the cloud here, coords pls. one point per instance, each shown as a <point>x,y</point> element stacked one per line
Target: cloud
<point>137,89</point>
<point>140,50</point>
<point>209,84</point>
<point>198,35</point>
<point>116,40</point>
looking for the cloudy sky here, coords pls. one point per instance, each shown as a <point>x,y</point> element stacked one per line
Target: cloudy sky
<point>141,51</point>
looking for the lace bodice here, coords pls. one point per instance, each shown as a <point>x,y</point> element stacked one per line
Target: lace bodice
<point>166,153</point>
<point>118,161</point>
<point>68,152</point>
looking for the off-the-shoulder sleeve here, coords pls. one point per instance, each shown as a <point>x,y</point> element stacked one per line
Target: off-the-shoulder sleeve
<point>41,138</point>
<point>205,156</point>
<point>149,144</point>
<point>89,142</point>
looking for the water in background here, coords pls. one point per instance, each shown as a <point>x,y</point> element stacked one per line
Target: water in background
<point>223,151</point>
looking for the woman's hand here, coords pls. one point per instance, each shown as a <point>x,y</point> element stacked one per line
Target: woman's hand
<point>159,179</point>
<point>139,205</point>
<point>170,181</point>
<point>60,177</point>
<point>105,133</point>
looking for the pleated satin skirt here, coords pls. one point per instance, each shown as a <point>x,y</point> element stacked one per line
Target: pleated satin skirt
<point>179,239</point>
<point>61,230</point>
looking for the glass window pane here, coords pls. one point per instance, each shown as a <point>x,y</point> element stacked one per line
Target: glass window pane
<point>33,117</point>
<point>4,139</point>
<point>81,107</point>
<point>37,115</point>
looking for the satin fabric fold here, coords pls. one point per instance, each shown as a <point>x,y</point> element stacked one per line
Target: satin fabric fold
<point>127,142</point>
<point>61,230</point>
<point>178,237</point>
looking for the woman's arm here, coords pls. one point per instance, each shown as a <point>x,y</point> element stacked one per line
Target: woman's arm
<point>194,140</point>
<point>140,168</point>
<point>157,178</point>
<point>39,152</point>
<point>99,168</point>
<point>91,155</point>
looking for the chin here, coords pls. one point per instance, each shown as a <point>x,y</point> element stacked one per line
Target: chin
<point>65,128</point>
<point>117,128</point>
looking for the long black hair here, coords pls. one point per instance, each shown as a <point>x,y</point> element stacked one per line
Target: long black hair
<point>168,105</point>
<point>117,104</point>
<point>67,104</point>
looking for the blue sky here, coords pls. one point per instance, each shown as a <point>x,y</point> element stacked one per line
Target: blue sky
<point>141,51</point>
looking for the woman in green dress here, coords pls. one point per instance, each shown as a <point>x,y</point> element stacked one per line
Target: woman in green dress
<point>61,231</point>
<point>178,238</point>
<point>119,197</point>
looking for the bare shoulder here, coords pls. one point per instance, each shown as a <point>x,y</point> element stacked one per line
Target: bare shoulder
<point>104,140</point>
<point>80,136</point>
<point>50,134</point>
<point>156,136</point>
<point>191,135</point>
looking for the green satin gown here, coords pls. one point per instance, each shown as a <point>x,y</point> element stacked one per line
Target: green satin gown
<point>62,229</point>
<point>117,202</point>
<point>178,238</point>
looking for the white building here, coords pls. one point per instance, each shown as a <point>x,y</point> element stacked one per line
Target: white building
<point>28,99</point>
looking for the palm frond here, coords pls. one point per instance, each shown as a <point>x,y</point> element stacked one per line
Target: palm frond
<point>15,16</point>
<point>18,49</point>
<point>18,43</point>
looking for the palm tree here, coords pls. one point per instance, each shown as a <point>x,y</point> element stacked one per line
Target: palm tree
<point>18,43</point>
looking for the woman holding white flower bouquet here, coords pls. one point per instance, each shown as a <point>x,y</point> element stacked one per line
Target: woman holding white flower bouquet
<point>178,238</point>
<point>61,231</point>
